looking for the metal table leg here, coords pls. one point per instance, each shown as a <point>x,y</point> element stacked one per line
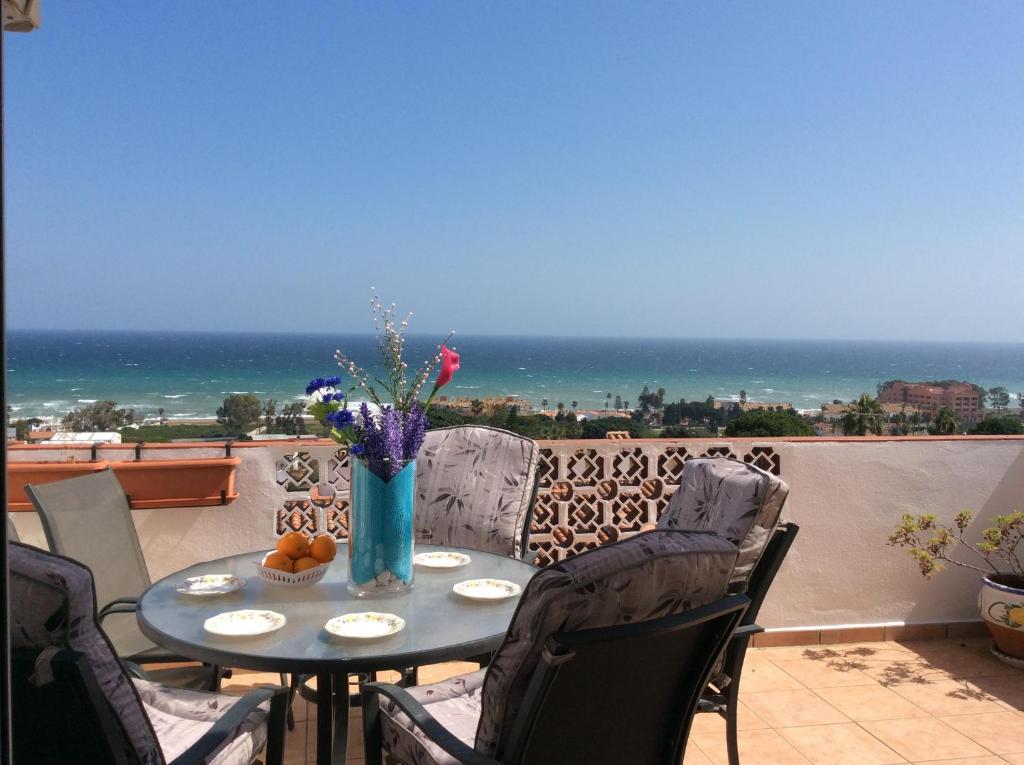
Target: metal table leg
<point>340,718</point>
<point>331,718</point>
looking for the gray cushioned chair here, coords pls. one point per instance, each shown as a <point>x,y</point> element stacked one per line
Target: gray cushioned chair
<point>12,533</point>
<point>75,702</point>
<point>89,519</point>
<point>620,638</point>
<point>743,504</point>
<point>475,488</point>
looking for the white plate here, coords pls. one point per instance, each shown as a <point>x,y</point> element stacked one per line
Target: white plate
<point>487,589</point>
<point>441,559</point>
<point>244,623</point>
<point>365,626</point>
<point>211,584</point>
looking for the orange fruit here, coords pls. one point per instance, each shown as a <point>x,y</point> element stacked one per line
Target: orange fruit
<point>303,564</point>
<point>278,560</point>
<point>323,548</point>
<point>294,544</point>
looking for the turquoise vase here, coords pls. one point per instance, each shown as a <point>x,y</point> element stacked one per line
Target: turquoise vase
<point>380,545</point>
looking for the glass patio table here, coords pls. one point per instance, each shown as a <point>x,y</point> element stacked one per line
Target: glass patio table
<point>439,626</point>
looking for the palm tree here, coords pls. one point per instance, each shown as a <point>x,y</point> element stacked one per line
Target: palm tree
<point>543,403</point>
<point>575,404</point>
<point>946,423</point>
<point>863,417</point>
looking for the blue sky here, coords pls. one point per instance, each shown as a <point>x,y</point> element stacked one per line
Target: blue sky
<point>827,170</point>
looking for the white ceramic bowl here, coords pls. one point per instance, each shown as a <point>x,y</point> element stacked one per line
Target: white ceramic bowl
<point>283,579</point>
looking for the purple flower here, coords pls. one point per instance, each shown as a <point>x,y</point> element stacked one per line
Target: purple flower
<point>415,431</point>
<point>373,438</point>
<point>357,450</point>
<point>393,440</point>
<point>314,385</point>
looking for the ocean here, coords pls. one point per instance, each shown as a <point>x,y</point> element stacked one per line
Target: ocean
<point>190,374</point>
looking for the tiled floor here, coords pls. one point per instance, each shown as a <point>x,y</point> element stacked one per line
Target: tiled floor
<point>936,701</point>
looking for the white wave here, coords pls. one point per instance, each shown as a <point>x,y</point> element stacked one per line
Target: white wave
<point>175,395</point>
<point>87,400</point>
<point>75,389</point>
<point>767,390</point>
<point>522,369</point>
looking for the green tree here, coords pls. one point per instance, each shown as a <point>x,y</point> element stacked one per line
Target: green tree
<point>444,417</point>
<point>946,423</point>
<point>161,415</point>
<point>269,413</point>
<point>999,426</point>
<point>863,417</point>
<point>607,400</point>
<point>599,427</point>
<point>291,421</point>
<point>625,405</point>
<point>101,415</point>
<point>574,404</point>
<point>543,403</point>
<point>618,403</point>
<point>240,413</point>
<point>476,406</point>
<point>999,397</point>
<point>743,397</point>
<point>763,422</point>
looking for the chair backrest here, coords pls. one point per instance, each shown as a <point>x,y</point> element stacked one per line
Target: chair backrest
<point>643,681</point>
<point>80,699</point>
<point>12,533</point>
<point>475,488</point>
<point>88,519</point>
<point>649,576</point>
<point>737,501</point>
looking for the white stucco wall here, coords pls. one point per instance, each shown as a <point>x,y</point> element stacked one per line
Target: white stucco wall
<point>845,495</point>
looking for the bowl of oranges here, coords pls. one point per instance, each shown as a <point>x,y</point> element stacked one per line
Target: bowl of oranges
<point>298,561</point>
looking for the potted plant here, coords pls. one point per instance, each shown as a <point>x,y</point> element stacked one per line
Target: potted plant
<point>1002,589</point>
<point>383,437</point>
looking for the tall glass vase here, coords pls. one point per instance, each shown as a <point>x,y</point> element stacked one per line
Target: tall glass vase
<point>380,546</point>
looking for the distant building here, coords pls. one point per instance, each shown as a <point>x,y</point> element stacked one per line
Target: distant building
<point>488,404</point>
<point>84,438</point>
<point>962,398</point>
<point>750,406</point>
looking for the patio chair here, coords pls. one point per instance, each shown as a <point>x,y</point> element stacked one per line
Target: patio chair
<point>475,488</point>
<point>75,702</point>
<point>12,533</point>
<point>604,661</point>
<point>743,504</point>
<point>88,518</point>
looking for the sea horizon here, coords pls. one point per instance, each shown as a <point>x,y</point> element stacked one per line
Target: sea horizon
<point>188,374</point>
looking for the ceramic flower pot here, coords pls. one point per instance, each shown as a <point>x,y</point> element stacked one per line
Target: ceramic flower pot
<point>380,546</point>
<point>1002,607</point>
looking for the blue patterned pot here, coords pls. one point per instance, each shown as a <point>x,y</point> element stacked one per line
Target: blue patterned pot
<point>380,546</point>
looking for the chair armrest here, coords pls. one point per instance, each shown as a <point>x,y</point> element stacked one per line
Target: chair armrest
<point>119,606</point>
<point>135,670</point>
<point>215,737</point>
<point>420,717</point>
<point>747,631</point>
<point>530,556</point>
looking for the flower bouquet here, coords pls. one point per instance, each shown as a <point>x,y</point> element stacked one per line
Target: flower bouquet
<point>383,437</point>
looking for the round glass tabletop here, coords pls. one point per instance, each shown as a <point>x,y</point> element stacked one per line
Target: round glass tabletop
<point>439,624</point>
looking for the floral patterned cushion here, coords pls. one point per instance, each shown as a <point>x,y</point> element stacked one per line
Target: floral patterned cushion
<point>651,575</point>
<point>473,488</point>
<point>455,703</point>
<point>739,502</point>
<point>53,603</point>
<point>180,717</point>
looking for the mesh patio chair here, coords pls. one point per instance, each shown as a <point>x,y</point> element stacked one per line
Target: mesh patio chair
<point>742,504</point>
<point>74,701</point>
<point>12,533</point>
<point>604,661</point>
<point>88,519</point>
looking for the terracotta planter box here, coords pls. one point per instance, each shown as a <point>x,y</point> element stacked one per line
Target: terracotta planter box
<point>178,483</point>
<point>148,483</point>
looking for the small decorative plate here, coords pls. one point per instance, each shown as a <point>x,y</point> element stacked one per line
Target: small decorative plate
<point>211,584</point>
<point>442,559</point>
<point>365,626</point>
<point>244,623</point>
<point>487,589</point>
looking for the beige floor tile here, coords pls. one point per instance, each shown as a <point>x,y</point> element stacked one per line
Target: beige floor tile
<point>946,696</point>
<point>870,702</point>
<point>817,674</point>
<point>764,747</point>
<point>961,658</point>
<point>841,744</point>
<point>1007,690</point>
<point>784,709</point>
<point>694,755</point>
<point>1014,759</point>
<point>765,676</point>
<point>923,738</point>
<point>714,723</point>
<point>999,732</point>
<point>989,760</point>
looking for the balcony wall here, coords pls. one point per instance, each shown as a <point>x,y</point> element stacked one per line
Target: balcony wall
<point>846,494</point>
